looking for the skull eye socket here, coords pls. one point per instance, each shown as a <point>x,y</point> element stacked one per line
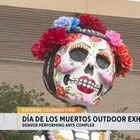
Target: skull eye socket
<point>78,52</point>
<point>103,60</point>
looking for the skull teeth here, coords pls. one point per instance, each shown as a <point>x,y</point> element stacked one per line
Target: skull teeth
<point>79,83</point>
<point>88,86</point>
<point>85,83</point>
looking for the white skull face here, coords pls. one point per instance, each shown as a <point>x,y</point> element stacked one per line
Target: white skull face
<point>84,69</point>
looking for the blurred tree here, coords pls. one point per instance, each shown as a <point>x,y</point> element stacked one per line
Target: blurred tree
<point>15,96</point>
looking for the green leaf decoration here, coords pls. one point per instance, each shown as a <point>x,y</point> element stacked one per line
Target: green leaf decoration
<point>61,50</point>
<point>90,41</point>
<point>66,48</point>
<point>56,73</point>
<point>67,89</point>
<point>76,94</point>
<point>72,63</point>
<point>95,45</point>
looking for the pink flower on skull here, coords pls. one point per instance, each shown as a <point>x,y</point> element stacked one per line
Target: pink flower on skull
<point>113,38</point>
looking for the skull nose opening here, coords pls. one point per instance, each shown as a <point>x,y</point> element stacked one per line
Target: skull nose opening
<point>89,69</point>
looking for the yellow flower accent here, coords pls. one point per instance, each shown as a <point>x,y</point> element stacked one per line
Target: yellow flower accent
<point>58,136</point>
<point>101,135</point>
<point>55,132</point>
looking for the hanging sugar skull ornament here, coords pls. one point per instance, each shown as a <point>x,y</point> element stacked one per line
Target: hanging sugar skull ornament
<point>81,59</point>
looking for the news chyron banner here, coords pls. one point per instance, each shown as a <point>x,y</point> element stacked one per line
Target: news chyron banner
<point>67,118</point>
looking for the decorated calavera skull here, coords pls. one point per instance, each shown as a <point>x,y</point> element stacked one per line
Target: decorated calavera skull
<point>84,69</point>
<point>81,59</point>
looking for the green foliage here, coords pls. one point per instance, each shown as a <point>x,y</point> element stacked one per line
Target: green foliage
<point>116,135</point>
<point>12,97</point>
<point>122,110</point>
<point>17,135</point>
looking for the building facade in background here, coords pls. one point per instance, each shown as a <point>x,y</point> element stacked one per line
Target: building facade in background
<point>21,23</point>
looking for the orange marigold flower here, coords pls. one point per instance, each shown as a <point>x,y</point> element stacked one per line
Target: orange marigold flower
<point>57,60</point>
<point>126,61</point>
<point>60,90</point>
<point>122,72</point>
<point>120,49</point>
<point>126,64</point>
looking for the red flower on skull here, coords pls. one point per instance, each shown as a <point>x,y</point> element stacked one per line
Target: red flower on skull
<point>60,90</point>
<point>57,60</point>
